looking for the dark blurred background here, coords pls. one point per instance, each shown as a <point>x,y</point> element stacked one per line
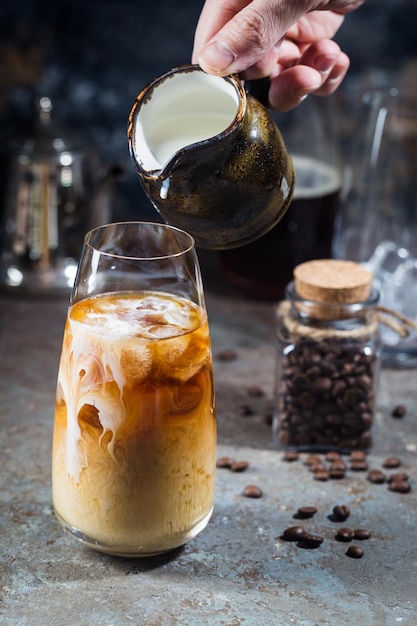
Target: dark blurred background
<point>92,57</point>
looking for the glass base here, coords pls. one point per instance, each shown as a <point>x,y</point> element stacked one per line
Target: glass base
<point>134,551</point>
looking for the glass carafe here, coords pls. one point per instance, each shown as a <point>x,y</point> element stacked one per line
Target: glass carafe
<point>378,221</point>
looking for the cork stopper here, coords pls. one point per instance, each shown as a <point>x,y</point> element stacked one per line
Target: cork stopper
<point>332,282</point>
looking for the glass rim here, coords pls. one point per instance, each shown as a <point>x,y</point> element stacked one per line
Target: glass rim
<point>167,227</point>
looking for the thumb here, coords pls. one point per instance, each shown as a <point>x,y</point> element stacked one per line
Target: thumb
<point>249,35</point>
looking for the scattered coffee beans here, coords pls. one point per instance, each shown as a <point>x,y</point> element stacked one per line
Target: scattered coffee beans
<point>228,462</point>
<point>227,355</point>
<point>321,474</point>
<point>245,410</point>
<point>359,466</point>
<point>255,392</point>
<point>291,455</point>
<point>345,534</point>
<point>355,552</point>
<point>317,466</point>
<point>341,512</point>
<point>252,491</point>
<point>225,461</point>
<point>397,476</point>
<point>239,466</point>
<point>332,456</point>
<point>400,486</point>
<point>399,411</point>
<point>361,534</point>
<point>309,540</point>
<point>337,473</point>
<point>313,459</point>
<point>305,512</point>
<point>339,464</point>
<point>357,455</point>
<point>376,476</point>
<point>293,533</point>
<point>391,462</point>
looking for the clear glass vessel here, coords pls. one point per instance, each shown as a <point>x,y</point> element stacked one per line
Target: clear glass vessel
<point>135,434</point>
<point>377,225</point>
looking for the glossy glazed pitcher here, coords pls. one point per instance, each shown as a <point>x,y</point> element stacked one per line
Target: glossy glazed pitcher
<point>210,157</point>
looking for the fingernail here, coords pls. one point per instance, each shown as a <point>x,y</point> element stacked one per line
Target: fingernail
<point>217,56</point>
<point>301,94</point>
<point>301,97</point>
<point>324,63</point>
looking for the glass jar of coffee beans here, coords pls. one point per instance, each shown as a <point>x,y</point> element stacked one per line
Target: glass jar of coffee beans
<point>327,358</point>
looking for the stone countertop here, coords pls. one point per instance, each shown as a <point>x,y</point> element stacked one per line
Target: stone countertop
<point>237,571</point>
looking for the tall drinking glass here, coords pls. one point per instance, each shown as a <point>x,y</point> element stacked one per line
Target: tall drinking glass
<point>135,434</point>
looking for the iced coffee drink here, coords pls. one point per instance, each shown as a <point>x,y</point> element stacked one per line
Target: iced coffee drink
<point>135,434</point>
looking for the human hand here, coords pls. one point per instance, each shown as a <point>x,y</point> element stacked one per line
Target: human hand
<point>290,41</point>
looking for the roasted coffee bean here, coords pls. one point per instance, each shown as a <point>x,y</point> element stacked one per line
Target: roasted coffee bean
<point>400,486</point>
<point>321,385</point>
<point>305,512</point>
<point>357,455</point>
<point>376,476</point>
<point>225,461</point>
<point>391,462</point>
<point>321,474</point>
<point>246,410</point>
<point>341,512</point>
<point>255,391</point>
<point>318,467</point>
<point>312,459</point>
<point>338,464</point>
<point>359,466</point>
<point>309,540</point>
<point>291,455</point>
<point>399,411</point>
<point>355,552</point>
<point>332,456</point>
<point>293,533</point>
<point>336,473</point>
<point>227,355</point>
<point>252,491</point>
<point>361,534</point>
<point>345,534</point>
<point>239,466</point>
<point>397,476</point>
<point>339,387</point>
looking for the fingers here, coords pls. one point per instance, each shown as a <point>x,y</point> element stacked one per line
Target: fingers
<point>319,70</point>
<point>214,16</point>
<point>249,32</point>
<point>314,26</point>
<point>282,39</point>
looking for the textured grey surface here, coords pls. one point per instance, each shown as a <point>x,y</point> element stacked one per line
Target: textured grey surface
<point>238,570</point>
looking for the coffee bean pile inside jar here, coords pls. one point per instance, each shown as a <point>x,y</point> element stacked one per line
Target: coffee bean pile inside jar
<point>328,358</point>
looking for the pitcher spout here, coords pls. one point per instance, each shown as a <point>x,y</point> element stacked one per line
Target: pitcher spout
<point>176,113</point>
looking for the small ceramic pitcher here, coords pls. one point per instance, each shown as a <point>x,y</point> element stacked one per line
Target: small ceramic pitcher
<point>210,157</point>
